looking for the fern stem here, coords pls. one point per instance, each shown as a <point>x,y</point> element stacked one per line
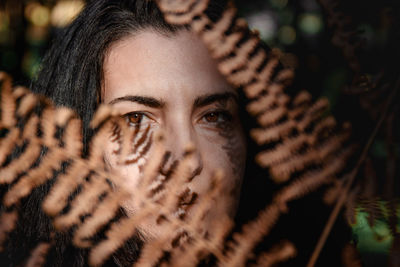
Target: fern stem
<point>350,179</point>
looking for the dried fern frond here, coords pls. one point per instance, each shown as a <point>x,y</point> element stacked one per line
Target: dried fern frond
<point>86,195</point>
<point>38,257</point>
<point>258,68</point>
<point>277,254</point>
<point>182,12</point>
<point>60,137</point>
<point>8,222</point>
<point>300,136</point>
<point>351,256</point>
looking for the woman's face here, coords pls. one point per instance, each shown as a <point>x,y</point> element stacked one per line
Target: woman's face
<point>171,83</point>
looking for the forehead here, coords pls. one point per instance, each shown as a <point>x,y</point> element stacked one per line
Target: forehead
<point>152,64</point>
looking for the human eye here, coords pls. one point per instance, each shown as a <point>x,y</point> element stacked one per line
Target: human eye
<point>136,118</point>
<point>217,117</point>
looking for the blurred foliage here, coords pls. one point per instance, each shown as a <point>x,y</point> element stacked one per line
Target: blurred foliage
<point>373,242</point>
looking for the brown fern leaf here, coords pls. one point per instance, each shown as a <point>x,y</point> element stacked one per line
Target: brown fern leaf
<point>189,256</point>
<point>350,256</point>
<point>312,180</point>
<point>17,136</point>
<point>251,234</point>
<point>281,252</point>
<point>7,104</point>
<point>368,200</point>
<point>50,161</point>
<point>191,229</point>
<point>182,6</point>
<point>8,143</point>
<point>93,189</point>
<point>61,147</point>
<point>116,236</point>
<point>38,255</point>
<point>7,224</point>
<point>332,194</point>
<point>153,203</point>
<point>176,13</point>
<point>262,79</point>
<point>302,136</point>
<point>104,212</point>
<point>351,205</point>
<point>194,249</point>
<point>373,208</point>
<point>9,173</point>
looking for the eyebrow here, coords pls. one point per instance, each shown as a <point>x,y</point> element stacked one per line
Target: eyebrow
<point>144,100</point>
<point>205,100</point>
<point>200,101</point>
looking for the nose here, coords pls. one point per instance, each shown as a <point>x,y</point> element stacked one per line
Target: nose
<point>180,142</point>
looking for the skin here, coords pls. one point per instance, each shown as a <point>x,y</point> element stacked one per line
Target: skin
<point>171,83</point>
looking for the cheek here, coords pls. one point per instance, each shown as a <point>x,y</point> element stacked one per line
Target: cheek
<point>228,155</point>
<point>226,150</point>
<point>129,173</point>
<point>220,158</point>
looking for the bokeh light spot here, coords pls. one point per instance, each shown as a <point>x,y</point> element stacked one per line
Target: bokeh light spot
<point>310,23</point>
<point>265,23</point>
<point>29,9</point>
<point>37,14</point>
<point>64,12</point>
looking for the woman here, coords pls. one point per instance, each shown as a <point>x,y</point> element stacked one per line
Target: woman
<point>171,83</point>
<point>122,53</point>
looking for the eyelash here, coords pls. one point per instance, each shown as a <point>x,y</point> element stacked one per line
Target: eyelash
<point>130,115</point>
<point>223,115</point>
